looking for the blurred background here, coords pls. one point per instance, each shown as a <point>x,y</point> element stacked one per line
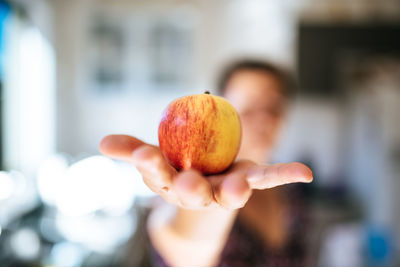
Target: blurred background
<point>73,71</point>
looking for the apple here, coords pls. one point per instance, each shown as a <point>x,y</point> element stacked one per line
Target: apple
<point>201,132</point>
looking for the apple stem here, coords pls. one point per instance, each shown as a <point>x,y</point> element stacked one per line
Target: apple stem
<point>207,92</point>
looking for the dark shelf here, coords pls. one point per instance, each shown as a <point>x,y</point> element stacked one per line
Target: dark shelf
<point>321,45</point>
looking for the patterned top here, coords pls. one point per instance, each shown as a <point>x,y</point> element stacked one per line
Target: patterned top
<point>244,248</point>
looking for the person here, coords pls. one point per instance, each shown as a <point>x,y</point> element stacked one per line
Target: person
<point>237,218</point>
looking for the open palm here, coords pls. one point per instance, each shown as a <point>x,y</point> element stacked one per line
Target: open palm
<point>190,189</point>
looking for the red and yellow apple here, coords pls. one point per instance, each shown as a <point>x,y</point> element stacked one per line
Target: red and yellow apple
<point>201,132</point>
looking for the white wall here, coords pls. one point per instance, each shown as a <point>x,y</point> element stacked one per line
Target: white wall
<point>223,30</point>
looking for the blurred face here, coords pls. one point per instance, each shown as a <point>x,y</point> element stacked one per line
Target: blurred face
<point>257,97</point>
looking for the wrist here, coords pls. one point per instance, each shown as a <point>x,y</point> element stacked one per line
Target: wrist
<point>192,224</point>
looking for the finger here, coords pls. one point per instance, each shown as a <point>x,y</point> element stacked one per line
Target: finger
<point>233,191</point>
<point>240,166</point>
<point>193,190</point>
<point>119,146</point>
<point>157,173</point>
<point>263,177</point>
<point>148,159</point>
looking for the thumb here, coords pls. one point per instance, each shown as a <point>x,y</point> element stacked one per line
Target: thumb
<point>119,146</point>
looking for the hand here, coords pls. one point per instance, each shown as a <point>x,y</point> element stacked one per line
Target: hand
<point>190,189</point>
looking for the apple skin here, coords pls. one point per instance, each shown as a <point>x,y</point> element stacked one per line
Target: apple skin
<point>201,132</point>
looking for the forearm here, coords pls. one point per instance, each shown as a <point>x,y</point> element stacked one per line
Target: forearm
<point>187,236</point>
